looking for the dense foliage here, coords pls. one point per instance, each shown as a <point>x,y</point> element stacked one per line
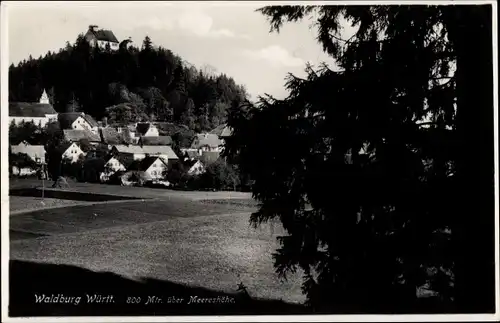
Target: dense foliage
<point>218,175</point>
<point>381,171</point>
<point>130,84</point>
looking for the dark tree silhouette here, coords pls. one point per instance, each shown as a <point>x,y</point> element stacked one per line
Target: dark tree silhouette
<point>152,79</point>
<point>370,167</point>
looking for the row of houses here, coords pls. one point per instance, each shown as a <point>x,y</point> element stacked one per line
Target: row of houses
<point>154,161</point>
<point>126,144</point>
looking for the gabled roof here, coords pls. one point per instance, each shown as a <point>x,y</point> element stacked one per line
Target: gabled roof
<point>206,139</point>
<point>144,164</point>
<point>66,119</point>
<point>222,131</point>
<point>147,150</point>
<point>105,35</point>
<point>190,163</point>
<point>126,161</point>
<point>65,145</point>
<point>32,110</point>
<point>143,127</point>
<point>77,135</point>
<point>156,141</point>
<point>163,150</point>
<point>90,120</point>
<point>34,151</point>
<point>129,149</point>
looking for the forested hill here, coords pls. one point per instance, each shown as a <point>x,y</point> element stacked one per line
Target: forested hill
<point>150,83</point>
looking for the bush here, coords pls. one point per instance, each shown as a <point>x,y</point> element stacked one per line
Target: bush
<point>218,176</point>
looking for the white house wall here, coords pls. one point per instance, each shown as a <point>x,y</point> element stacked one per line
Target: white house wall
<point>152,132</point>
<point>139,156</point>
<point>73,153</point>
<point>111,167</point>
<point>25,171</point>
<point>157,169</point>
<point>81,124</point>
<point>102,44</point>
<point>114,165</point>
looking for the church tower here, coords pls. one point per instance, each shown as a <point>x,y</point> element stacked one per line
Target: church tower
<point>45,98</point>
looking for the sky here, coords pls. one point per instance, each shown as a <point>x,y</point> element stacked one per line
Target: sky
<point>228,37</point>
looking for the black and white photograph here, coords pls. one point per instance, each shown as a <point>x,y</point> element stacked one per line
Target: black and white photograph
<point>249,160</point>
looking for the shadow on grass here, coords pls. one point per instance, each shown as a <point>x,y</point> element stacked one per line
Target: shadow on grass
<point>30,279</point>
<point>67,195</point>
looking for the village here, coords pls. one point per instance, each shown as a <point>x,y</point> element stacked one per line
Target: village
<point>178,157</point>
<point>141,148</point>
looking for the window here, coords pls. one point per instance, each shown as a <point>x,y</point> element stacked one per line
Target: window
<point>154,165</point>
<point>154,172</point>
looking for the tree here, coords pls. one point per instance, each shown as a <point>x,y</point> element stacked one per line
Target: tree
<point>188,118</point>
<point>220,176</point>
<point>25,131</point>
<point>123,114</point>
<point>182,138</point>
<point>85,145</point>
<point>386,132</point>
<point>147,44</point>
<point>175,174</point>
<point>73,105</point>
<point>20,161</point>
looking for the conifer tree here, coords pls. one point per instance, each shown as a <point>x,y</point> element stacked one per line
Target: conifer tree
<point>368,166</point>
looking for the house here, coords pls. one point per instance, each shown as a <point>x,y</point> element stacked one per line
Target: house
<point>155,167</point>
<point>101,38</point>
<point>128,132</point>
<point>194,167</point>
<point>223,131</point>
<point>138,152</point>
<point>166,152</point>
<point>72,135</point>
<point>78,121</point>
<point>71,151</point>
<point>40,113</point>
<point>206,142</point>
<point>34,152</point>
<point>155,141</point>
<point>115,164</point>
<point>147,129</point>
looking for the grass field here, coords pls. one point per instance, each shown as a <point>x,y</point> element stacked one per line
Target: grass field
<point>135,192</point>
<point>175,238</point>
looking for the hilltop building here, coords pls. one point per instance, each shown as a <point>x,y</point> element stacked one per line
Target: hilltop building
<point>101,38</point>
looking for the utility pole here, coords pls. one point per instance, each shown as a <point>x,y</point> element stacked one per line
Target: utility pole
<point>43,183</point>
